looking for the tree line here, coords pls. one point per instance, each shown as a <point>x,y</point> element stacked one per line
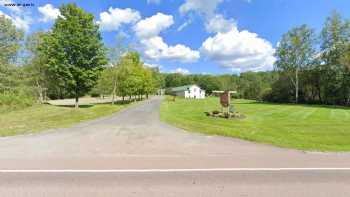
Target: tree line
<point>314,68</point>
<point>68,61</point>
<point>310,68</point>
<point>249,85</point>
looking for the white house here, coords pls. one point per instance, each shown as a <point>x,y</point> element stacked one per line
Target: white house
<point>189,91</point>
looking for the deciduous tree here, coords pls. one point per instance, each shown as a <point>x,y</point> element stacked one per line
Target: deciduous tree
<point>75,50</point>
<point>10,38</point>
<point>295,52</point>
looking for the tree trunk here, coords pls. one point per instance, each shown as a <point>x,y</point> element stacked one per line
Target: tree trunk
<point>40,92</point>
<point>114,91</point>
<point>76,102</point>
<point>41,97</point>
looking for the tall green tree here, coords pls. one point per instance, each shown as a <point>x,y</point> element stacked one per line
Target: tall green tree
<point>35,69</point>
<point>294,53</point>
<point>334,38</point>
<point>10,38</point>
<point>149,83</point>
<point>115,53</point>
<point>75,50</point>
<point>134,81</point>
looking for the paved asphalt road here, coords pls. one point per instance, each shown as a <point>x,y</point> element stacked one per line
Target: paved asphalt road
<point>203,184</point>
<point>136,139</point>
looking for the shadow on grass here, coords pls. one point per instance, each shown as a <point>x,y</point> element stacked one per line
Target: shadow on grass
<point>119,102</point>
<point>72,106</point>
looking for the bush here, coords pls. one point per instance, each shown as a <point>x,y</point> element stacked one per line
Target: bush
<point>216,112</point>
<point>94,94</point>
<point>281,91</point>
<point>16,100</point>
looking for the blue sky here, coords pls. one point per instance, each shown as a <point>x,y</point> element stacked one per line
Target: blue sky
<point>191,36</point>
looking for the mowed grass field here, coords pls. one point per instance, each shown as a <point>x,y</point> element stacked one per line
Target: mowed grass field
<point>304,127</point>
<point>42,117</point>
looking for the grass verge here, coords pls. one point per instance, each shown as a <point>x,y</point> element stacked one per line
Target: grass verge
<point>304,127</point>
<point>42,117</point>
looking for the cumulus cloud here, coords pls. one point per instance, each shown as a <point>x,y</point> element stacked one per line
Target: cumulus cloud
<point>20,18</point>
<point>49,13</point>
<point>239,50</point>
<point>219,24</point>
<point>229,47</point>
<point>115,17</point>
<point>154,47</point>
<point>206,7</point>
<point>152,26</point>
<point>181,71</point>
<point>20,22</point>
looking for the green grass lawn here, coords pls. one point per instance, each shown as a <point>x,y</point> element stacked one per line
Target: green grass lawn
<point>305,127</point>
<point>41,117</point>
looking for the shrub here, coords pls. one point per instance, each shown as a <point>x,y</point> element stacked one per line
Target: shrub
<point>94,94</point>
<point>216,112</point>
<point>16,99</point>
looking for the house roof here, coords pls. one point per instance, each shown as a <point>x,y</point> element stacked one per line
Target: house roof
<point>182,88</point>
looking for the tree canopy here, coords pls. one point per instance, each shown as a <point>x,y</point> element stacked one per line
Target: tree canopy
<point>75,51</point>
<point>10,38</point>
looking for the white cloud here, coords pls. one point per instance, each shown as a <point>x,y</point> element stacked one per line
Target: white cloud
<point>239,50</point>
<point>181,71</point>
<point>152,26</point>
<point>150,65</point>
<point>49,13</point>
<point>20,22</point>
<point>153,1</point>
<point>154,47</point>
<point>206,7</point>
<point>115,17</point>
<point>219,24</point>
<point>20,18</point>
<point>229,47</point>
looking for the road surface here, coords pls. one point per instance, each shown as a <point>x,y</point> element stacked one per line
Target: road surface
<point>175,184</point>
<point>103,157</point>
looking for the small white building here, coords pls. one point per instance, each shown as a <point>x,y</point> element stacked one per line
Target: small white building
<point>189,91</point>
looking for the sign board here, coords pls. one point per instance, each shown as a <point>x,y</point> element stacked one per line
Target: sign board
<point>225,99</point>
